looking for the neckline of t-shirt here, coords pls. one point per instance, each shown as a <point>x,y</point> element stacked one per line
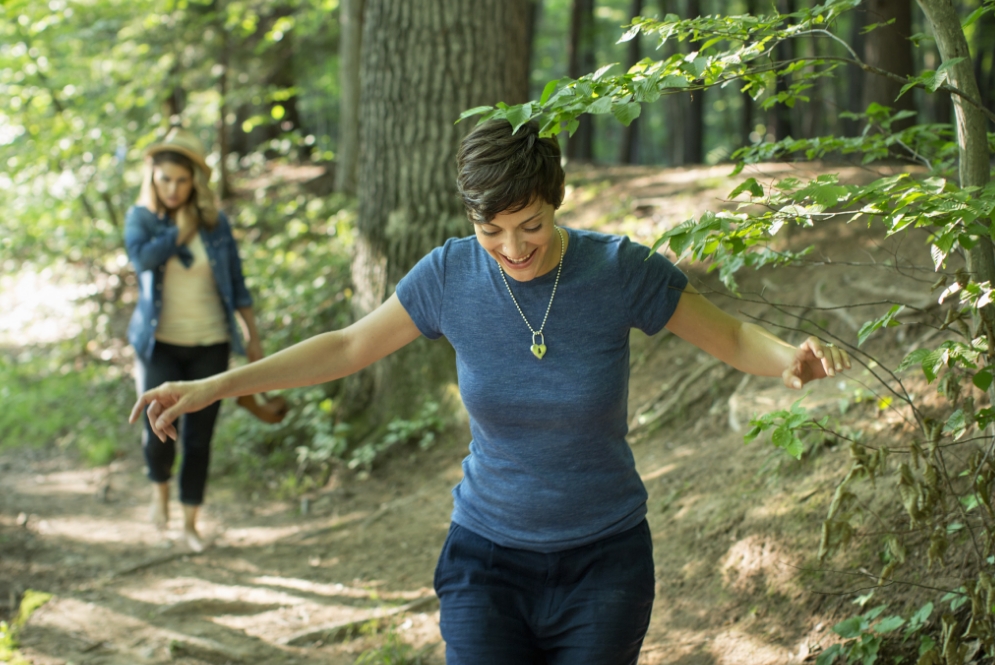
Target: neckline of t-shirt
<point>549,277</point>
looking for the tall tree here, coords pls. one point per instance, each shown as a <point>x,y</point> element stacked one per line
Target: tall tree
<point>351,39</point>
<point>855,77</point>
<point>629,145</point>
<point>746,124</point>
<point>423,63</point>
<point>780,123</point>
<point>888,47</point>
<point>694,117</point>
<point>580,61</point>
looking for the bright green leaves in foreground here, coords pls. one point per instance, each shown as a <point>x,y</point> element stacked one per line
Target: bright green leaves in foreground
<point>788,427</point>
<point>726,50</point>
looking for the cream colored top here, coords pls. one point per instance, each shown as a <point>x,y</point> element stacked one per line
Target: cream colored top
<point>192,313</point>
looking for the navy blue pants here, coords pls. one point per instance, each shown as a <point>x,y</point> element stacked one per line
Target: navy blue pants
<point>587,605</point>
<point>183,363</point>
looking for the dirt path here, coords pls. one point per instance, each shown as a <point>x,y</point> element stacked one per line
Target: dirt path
<point>734,528</point>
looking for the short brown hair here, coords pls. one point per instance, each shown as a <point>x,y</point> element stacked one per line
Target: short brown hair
<point>504,171</point>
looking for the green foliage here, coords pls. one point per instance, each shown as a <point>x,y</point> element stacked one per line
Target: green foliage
<point>422,429</point>
<point>863,635</point>
<point>393,651</point>
<point>947,496</point>
<point>84,403</point>
<point>789,426</point>
<point>30,602</point>
<point>83,91</point>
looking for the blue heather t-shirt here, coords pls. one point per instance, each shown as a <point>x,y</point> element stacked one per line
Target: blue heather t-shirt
<point>549,468</point>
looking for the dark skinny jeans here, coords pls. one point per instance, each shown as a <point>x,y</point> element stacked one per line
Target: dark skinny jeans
<point>183,363</point>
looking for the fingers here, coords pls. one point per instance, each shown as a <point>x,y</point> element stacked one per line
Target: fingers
<point>791,378</point>
<point>136,411</point>
<point>161,427</point>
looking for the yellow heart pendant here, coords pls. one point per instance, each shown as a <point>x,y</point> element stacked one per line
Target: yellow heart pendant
<point>539,350</point>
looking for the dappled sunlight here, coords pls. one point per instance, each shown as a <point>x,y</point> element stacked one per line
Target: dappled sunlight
<point>759,560</point>
<point>172,592</point>
<point>266,535</point>
<point>80,482</point>
<point>83,528</point>
<point>339,589</point>
<point>40,308</point>
<point>735,647</point>
<point>658,473</point>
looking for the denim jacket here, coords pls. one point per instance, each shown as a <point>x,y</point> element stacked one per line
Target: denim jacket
<point>151,242</point>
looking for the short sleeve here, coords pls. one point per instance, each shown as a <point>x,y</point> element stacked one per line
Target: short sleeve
<point>651,287</point>
<point>422,290</point>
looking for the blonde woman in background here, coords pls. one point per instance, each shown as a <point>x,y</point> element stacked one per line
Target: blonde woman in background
<point>184,326</point>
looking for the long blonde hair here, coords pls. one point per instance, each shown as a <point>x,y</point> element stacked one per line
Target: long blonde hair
<point>202,197</point>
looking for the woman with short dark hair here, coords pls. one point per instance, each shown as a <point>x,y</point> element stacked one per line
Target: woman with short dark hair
<point>549,557</point>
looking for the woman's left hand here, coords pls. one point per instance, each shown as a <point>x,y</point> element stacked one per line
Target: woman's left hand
<point>254,350</point>
<point>813,360</point>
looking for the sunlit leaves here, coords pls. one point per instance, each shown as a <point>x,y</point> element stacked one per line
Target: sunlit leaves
<point>788,427</point>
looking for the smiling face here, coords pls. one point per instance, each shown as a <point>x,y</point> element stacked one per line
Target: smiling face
<point>525,243</point>
<point>173,184</point>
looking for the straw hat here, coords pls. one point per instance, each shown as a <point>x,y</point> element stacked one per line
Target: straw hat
<point>184,142</point>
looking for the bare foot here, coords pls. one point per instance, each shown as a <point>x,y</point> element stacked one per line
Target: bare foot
<point>193,540</point>
<point>190,534</point>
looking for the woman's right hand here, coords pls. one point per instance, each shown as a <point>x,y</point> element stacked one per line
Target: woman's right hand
<point>186,222</point>
<point>171,400</point>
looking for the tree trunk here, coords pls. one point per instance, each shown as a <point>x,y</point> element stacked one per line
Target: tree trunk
<point>746,124</point>
<point>694,126</point>
<point>888,48</point>
<point>580,61</point>
<point>673,104</point>
<point>629,145</point>
<point>780,114</point>
<point>972,138</point>
<point>984,59</point>
<point>350,41</point>
<point>423,63</point>
<point>854,75</point>
<point>224,186</point>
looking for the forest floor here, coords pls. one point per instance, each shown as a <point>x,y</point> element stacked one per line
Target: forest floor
<point>736,527</point>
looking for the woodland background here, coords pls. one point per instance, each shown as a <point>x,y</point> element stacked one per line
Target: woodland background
<point>332,127</point>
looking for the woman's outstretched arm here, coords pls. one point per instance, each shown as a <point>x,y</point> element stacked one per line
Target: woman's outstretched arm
<point>750,348</point>
<point>321,358</point>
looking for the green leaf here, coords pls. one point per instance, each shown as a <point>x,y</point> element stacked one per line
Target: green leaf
<point>849,628</point>
<point>626,113</point>
<point>476,110</point>
<point>886,321</point>
<point>828,657</point>
<point>548,91</point>
<point>782,437</point>
<point>983,379</point>
<point>673,81</point>
<point>975,15</point>
<point>519,115</point>
<point>749,185</point>
<point>889,624</point>
<point>601,105</point>
<point>602,71</point>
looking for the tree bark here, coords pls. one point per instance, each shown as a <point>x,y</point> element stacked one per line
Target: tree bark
<point>224,186</point>
<point>854,75</point>
<point>694,116</point>
<point>746,124</point>
<point>888,48</point>
<point>350,42</point>
<point>423,63</point>
<point>580,61</point>
<point>629,145</point>
<point>972,138</point>
<point>780,124</point>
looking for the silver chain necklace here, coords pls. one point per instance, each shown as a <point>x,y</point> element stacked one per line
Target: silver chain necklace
<point>538,347</point>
